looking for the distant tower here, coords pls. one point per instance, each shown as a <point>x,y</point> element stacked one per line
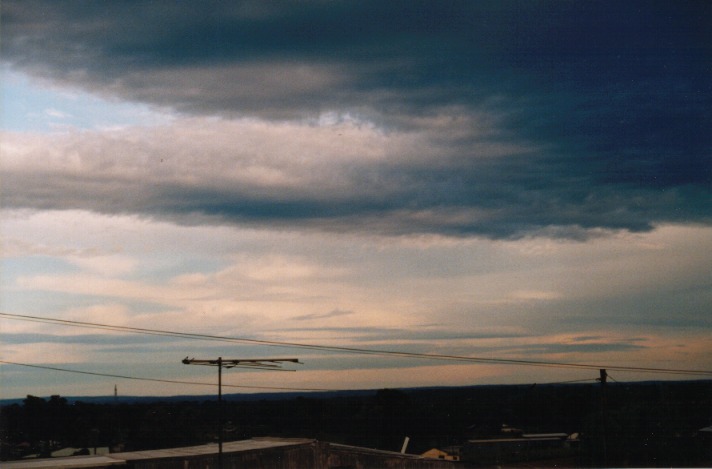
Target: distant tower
<point>116,394</point>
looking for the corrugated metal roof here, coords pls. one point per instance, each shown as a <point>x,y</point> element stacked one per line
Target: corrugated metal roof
<point>212,448</point>
<point>75,462</point>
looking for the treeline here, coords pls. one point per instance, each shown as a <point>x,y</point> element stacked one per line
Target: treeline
<point>644,424</point>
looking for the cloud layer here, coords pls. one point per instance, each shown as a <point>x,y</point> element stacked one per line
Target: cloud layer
<point>491,119</point>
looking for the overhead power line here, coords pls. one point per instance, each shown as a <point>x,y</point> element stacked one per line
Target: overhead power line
<point>157,380</point>
<point>353,350</point>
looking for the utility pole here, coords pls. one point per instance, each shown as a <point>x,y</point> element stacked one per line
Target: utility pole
<point>603,379</point>
<point>273,364</point>
<point>220,413</point>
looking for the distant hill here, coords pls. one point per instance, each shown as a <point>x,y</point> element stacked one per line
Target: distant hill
<point>269,396</point>
<point>651,423</point>
<point>276,396</point>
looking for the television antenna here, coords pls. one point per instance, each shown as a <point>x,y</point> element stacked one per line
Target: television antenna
<point>271,364</point>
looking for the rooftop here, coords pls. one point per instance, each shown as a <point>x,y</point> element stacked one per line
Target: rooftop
<point>212,448</point>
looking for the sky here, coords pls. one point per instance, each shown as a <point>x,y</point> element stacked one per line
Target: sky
<point>500,180</point>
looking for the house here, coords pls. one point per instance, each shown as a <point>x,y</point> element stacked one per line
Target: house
<point>435,453</point>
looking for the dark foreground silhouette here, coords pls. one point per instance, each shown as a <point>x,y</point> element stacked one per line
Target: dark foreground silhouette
<point>634,424</point>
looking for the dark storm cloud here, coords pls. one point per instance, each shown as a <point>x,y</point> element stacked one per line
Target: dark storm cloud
<point>613,100</point>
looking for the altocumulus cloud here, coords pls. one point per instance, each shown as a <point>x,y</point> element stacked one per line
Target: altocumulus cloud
<point>494,119</point>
